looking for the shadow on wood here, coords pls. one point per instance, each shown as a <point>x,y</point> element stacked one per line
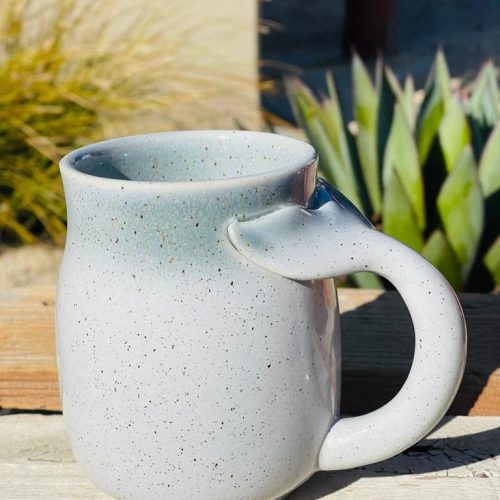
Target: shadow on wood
<point>377,339</point>
<point>377,350</point>
<point>469,455</point>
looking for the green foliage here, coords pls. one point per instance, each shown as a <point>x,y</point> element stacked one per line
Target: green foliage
<point>427,171</point>
<point>365,113</point>
<point>461,208</point>
<point>62,76</point>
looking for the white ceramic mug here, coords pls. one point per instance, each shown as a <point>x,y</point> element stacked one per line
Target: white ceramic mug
<point>197,323</point>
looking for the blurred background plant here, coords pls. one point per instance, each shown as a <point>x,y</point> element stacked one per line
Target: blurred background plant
<point>69,77</point>
<point>424,166</point>
<point>53,97</point>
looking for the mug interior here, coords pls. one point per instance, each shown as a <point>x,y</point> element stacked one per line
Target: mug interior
<point>190,156</point>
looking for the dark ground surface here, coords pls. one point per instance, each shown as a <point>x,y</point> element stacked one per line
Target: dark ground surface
<point>309,39</point>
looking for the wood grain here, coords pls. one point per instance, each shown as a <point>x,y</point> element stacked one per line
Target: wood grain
<point>459,460</point>
<point>377,350</point>
<point>377,340</point>
<point>28,371</point>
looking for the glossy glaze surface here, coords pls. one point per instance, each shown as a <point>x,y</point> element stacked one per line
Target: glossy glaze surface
<point>330,238</point>
<point>186,370</point>
<point>197,323</point>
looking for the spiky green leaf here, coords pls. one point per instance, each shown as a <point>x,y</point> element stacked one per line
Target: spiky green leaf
<point>433,107</point>
<point>336,112</point>
<point>399,219</point>
<point>438,252</point>
<point>454,133</point>
<point>492,261</point>
<point>483,103</point>
<point>301,98</point>
<point>343,168</point>
<point>321,129</point>
<point>365,114</point>
<point>401,155</point>
<point>483,107</point>
<point>408,101</point>
<point>346,142</point>
<point>331,118</point>
<point>389,92</point>
<point>442,76</point>
<point>461,209</point>
<point>489,165</point>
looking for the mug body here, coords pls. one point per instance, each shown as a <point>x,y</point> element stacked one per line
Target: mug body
<point>186,371</point>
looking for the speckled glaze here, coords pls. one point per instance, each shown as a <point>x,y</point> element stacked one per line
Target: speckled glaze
<point>197,322</point>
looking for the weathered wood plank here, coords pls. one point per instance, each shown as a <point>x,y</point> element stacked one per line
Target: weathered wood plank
<point>377,339</point>
<point>459,460</point>
<point>377,345</point>
<point>28,372</point>
<point>403,487</point>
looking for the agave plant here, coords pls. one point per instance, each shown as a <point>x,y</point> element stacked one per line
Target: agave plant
<point>426,171</point>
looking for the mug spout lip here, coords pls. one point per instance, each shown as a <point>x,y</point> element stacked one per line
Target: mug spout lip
<point>305,156</point>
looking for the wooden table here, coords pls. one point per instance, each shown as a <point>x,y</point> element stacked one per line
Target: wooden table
<point>454,462</point>
<point>459,460</point>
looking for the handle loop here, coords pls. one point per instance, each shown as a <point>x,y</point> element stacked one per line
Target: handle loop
<point>331,238</point>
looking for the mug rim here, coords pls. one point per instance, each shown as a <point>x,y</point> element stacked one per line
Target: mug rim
<point>68,164</point>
